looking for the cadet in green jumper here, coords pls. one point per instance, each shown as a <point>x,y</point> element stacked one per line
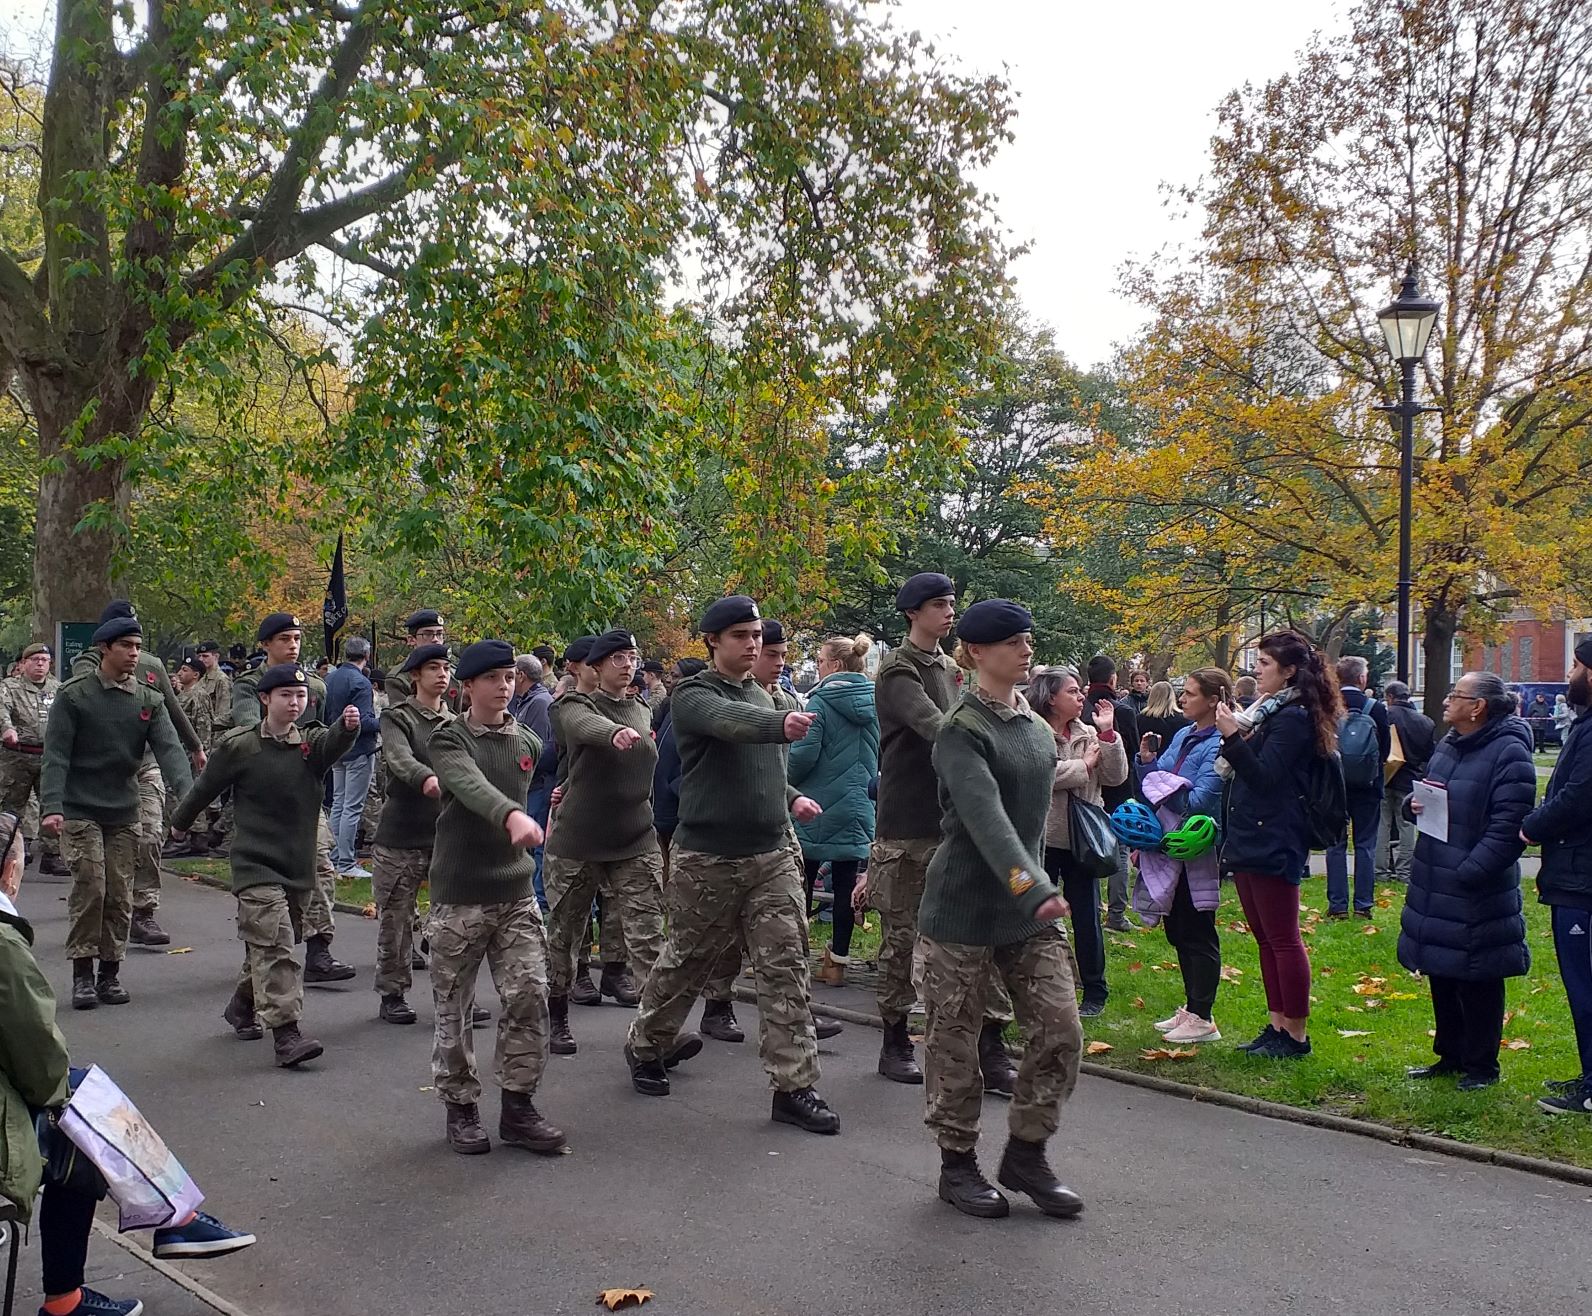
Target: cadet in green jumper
<point>988,904</point>
<point>482,906</point>
<point>276,772</point>
<point>25,701</point>
<point>101,726</point>
<point>281,635</point>
<point>733,871</point>
<point>603,838</point>
<point>408,826</point>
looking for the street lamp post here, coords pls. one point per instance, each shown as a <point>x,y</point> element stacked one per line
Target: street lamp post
<point>1407,322</point>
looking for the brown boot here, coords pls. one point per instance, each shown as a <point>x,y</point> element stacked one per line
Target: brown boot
<point>465,1134</point>
<point>521,1125</point>
<point>292,1047</point>
<point>831,972</point>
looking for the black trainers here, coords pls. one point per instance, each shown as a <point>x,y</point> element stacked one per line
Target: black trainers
<point>1281,1046</point>
<point>1572,1098</point>
<point>806,1110</point>
<point>1439,1070</point>
<point>1564,1086</point>
<point>1260,1040</point>
<point>648,1077</point>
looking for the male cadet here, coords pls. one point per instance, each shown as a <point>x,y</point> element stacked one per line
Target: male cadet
<point>604,837</point>
<point>151,672</point>
<point>915,685</point>
<point>423,626</point>
<point>215,687</point>
<point>282,636</point>
<point>25,701</point>
<point>276,771</point>
<point>733,871</point>
<point>482,906</point>
<point>100,728</point>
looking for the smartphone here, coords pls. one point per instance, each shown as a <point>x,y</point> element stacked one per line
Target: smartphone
<point>1153,740</point>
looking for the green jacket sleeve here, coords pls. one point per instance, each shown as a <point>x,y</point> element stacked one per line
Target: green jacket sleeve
<point>60,732</point>
<point>219,772</point>
<point>962,767</point>
<point>700,712</point>
<point>245,704</point>
<point>33,1054</point>
<point>398,749</point>
<point>902,699</point>
<point>460,776</point>
<point>168,752</point>
<point>581,724</point>
<point>8,692</point>
<point>328,744</point>
<point>186,735</point>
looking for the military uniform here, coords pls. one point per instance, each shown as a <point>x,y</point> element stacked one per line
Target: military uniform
<point>25,709</point>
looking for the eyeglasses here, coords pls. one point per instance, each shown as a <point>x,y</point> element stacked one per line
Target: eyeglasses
<point>1460,694</point>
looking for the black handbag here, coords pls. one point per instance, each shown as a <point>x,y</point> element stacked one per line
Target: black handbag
<point>1093,843</point>
<point>65,1165</point>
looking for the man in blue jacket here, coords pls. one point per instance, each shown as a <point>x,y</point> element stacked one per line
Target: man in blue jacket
<point>1562,826</point>
<point>351,776</point>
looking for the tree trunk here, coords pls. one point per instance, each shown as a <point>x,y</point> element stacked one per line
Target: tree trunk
<point>1437,644</point>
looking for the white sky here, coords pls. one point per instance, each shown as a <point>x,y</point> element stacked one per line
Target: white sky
<point>1113,101</point>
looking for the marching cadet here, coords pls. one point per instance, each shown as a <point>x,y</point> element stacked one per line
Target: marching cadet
<point>151,672</point>
<point>771,666</point>
<point>604,837</point>
<point>404,836</point>
<point>25,701</point>
<point>987,905</point>
<point>482,906</point>
<point>733,871</point>
<point>216,687</point>
<point>276,771</point>
<point>101,726</point>
<point>915,686</point>
<point>282,636</point>
<point>423,626</point>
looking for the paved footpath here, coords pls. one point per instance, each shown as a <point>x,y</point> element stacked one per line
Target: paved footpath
<point>342,1171</point>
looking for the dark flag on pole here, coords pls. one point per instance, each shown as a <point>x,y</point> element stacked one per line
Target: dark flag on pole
<point>334,612</point>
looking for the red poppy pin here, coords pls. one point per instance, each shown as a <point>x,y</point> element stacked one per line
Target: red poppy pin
<point>143,714</point>
<point>149,678</point>
<point>525,762</point>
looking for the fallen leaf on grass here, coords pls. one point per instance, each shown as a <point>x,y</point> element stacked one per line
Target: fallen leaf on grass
<point>180,950</point>
<point>1098,1048</point>
<point>1135,966</point>
<point>1353,1032</point>
<point>1166,966</point>
<point>1431,1032</point>
<point>1376,1005</point>
<point>1371,930</point>
<point>614,1299</point>
<point>1231,974</point>
<point>1516,1044</point>
<point>1124,943</point>
<point>1168,1053</point>
<point>1239,927</point>
<point>1138,1002</point>
<point>1403,996</point>
<point>1368,986</point>
<point>1355,1009</point>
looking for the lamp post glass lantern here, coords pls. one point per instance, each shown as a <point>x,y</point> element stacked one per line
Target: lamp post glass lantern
<point>1407,323</point>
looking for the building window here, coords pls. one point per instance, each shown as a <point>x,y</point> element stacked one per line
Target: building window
<point>1528,664</point>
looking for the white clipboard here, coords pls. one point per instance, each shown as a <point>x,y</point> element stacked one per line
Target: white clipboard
<point>1433,817</point>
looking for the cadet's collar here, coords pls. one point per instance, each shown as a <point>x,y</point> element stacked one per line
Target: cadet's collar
<point>729,682</point>
<point>931,656</point>
<point>1006,712</point>
<point>292,736</point>
<point>509,727</point>
<point>126,684</point>
<point>441,711</point>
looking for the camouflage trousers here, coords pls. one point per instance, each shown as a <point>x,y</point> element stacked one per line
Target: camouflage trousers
<point>151,836</point>
<point>713,899</point>
<point>1039,974</point>
<point>896,874</point>
<point>100,905</point>
<point>374,801</point>
<point>395,878</point>
<point>720,986</point>
<point>632,889</point>
<point>270,921</point>
<point>510,938</point>
<point>318,920</point>
<point>610,934</point>
<point>19,794</point>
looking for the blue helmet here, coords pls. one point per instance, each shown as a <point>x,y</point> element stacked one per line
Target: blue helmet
<point>1136,826</point>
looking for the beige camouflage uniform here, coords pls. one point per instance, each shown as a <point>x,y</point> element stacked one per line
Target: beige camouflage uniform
<point>632,899</point>
<point>25,709</point>
<point>99,907</point>
<point>270,922</point>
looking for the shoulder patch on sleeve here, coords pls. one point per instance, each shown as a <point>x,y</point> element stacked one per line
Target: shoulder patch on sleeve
<point>1020,880</point>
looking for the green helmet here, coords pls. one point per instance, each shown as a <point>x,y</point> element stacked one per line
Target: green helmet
<point>1195,837</point>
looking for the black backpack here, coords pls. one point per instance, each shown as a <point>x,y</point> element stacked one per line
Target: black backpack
<point>1326,801</point>
<point>1359,749</point>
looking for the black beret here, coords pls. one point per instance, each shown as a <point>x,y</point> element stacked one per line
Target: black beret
<point>579,649</point>
<point>652,665</point>
<point>728,612</point>
<point>425,617</point>
<point>117,608</point>
<point>192,663</point>
<point>992,620</point>
<point>377,676</point>
<point>921,588</point>
<point>545,652</point>
<point>275,624</point>
<point>280,677</point>
<point>208,646</point>
<point>483,656</point>
<point>422,654</point>
<point>773,632</point>
<point>1583,652</point>
<point>609,643</point>
<point>114,629</point>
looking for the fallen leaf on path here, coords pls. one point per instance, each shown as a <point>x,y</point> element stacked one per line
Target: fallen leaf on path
<point>614,1299</point>
<point>369,911</point>
<point>180,950</point>
<point>1166,1053</point>
<point>1353,1032</point>
<point>1517,1044</point>
<point>425,1089</point>
<point>1098,1048</point>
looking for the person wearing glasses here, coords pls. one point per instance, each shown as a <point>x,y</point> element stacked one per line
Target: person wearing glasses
<point>1463,926</point>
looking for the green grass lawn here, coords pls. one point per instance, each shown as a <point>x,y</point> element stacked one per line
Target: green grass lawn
<point>353,891</point>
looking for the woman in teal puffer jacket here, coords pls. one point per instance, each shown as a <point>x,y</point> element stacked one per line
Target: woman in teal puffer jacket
<point>835,763</point>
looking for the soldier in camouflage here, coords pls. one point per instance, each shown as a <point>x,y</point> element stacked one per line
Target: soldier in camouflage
<point>25,701</point>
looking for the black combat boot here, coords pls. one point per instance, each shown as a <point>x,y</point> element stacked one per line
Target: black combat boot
<point>319,966</point>
<point>560,1041</point>
<point>144,931</point>
<point>109,990</point>
<point>648,1077</point>
<point>395,1010</point>
<point>964,1186</point>
<point>521,1125</point>
<point>617,982</point>
<point>896,1061</point>
<point>240,1014</point>
<point>1000,1072</point>
<point>52,865</point>
<point>1025,1170</point>
<point>292,1047</point>
<point>806,1110</point>
<point>824,1028</point>
<point>480,1016</point>
<point>582,991</point>
<point>84,997</point>
<point>683,1047</point>
<point>465,1134</point>
<point>218,845</point>
<point>718,1022</point>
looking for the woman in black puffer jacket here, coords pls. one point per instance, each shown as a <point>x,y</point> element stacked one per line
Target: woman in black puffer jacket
<point>1463,926</point>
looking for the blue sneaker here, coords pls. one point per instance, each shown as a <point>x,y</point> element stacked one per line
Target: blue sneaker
<point>93,1303</point>
<point>203,1236</point>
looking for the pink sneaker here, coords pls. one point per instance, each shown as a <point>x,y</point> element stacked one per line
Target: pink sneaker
<point>1193,1029</point>
<point>1176,1019</point>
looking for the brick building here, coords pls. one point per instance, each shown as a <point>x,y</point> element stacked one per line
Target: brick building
<point>1531,649</point>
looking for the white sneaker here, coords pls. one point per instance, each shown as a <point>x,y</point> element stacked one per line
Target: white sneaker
<point>355,872</point>
<point>1174,1021</point>
<point>1194,1029</point>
